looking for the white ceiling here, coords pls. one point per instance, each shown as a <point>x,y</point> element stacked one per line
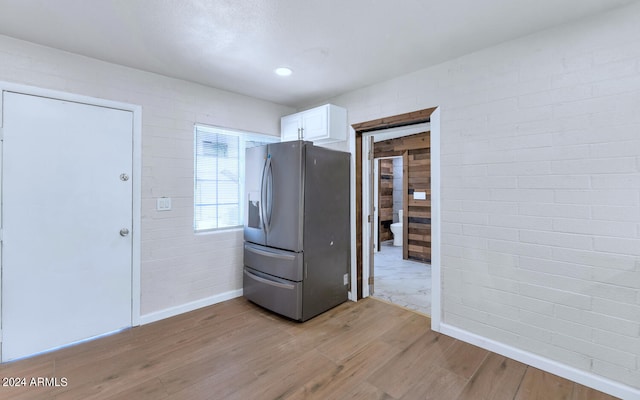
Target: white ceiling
<point>333,46</point>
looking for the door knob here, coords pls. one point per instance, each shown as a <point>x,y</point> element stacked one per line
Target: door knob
<point>124,232</point>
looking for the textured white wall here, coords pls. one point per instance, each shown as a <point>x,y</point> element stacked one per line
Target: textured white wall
<point>177,267</point>
<point>540,189</point>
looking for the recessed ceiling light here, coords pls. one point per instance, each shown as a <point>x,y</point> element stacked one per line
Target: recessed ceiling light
<point>283,71</point>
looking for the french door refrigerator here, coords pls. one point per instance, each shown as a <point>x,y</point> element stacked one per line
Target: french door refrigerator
<point>297,249</point>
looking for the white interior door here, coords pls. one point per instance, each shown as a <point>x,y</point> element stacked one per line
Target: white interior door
<point>376,204</point>
<point>367,215</point>
<point>66,217</point>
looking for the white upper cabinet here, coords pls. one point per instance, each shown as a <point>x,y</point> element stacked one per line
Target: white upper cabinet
<point>322,124</point>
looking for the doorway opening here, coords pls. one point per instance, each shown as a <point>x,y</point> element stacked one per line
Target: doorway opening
<point>400,278</point>
<point>366,135</point>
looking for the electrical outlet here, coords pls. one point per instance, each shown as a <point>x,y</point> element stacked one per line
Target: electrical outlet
<point>345,279</point>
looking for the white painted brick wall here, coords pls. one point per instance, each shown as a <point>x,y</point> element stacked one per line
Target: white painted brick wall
<point>540,189</point>
<point>177,266</point>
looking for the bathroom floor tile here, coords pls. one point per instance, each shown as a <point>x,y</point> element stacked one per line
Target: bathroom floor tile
<point>402,282</point>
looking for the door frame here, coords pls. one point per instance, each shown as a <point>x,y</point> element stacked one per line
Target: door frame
<point>361,131</point>
<point>376,205</point>
<point>136,204</point>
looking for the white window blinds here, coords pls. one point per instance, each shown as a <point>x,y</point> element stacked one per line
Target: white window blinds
<point>219,175</point>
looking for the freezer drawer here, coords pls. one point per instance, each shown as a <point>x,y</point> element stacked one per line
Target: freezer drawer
<point>280,263</point>
<point>278,295</point>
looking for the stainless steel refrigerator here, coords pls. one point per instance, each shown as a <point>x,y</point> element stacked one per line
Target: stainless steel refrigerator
<point>297,249</point>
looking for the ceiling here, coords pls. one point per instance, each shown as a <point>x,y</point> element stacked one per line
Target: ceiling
<point>333,46</point>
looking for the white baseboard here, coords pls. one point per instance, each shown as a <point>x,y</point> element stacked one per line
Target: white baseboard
<point>582,377</point>
<point>194,305</point>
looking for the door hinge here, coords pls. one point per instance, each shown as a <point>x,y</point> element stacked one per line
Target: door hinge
<point>369,155</point>
<point>1,133</point>
<point>1,235</point>
<point>371,280</point>
<point>369,218</point>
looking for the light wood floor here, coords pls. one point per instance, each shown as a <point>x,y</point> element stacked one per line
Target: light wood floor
<point>235,350</point>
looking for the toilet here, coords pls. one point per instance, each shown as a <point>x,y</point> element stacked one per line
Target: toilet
<point>396,229</point>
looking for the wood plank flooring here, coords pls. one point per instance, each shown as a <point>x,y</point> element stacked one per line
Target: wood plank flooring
<point>236,350</point>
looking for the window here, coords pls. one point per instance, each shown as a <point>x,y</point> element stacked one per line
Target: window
<point>219,175</point>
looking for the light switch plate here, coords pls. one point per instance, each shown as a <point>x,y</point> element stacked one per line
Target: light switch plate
<point>419,195</point>
<point>163,204</point>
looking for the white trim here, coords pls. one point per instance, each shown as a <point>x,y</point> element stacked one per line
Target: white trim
<point>401,131</point>
<point>353,294</point>
<point>582,377</point>
<point>78,98</point>
<point>436,224</point>
<point>136,110</point>
<point>187,307</point>
<point>367,262</point>
<point>376,206</point>
<point>136,255</point>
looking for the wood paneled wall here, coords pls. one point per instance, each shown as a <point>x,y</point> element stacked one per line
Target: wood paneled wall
<point>385,200</point>
<point>418,212</point>
<point>416,153</point>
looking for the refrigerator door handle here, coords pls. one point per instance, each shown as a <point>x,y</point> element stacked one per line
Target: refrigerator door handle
<point>263,194</point>
<point>273,254</point>
<point>268,193</point>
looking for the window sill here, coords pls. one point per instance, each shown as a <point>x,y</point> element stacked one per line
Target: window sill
<point>219,230</point>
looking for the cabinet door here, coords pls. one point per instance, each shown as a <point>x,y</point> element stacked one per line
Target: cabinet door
<point>289,126</point>
<point>314,123</point>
